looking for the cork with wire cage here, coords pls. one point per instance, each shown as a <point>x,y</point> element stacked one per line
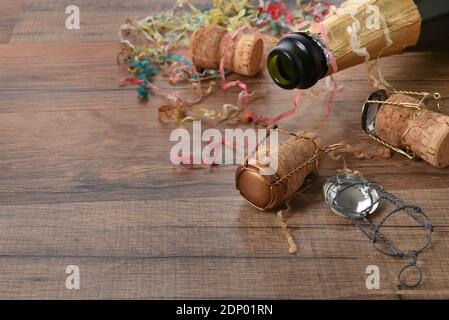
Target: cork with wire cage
<point>298,157</point>
<point>422,131</point>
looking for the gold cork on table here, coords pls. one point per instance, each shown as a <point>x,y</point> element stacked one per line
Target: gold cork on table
<point>242,53</point>
<point>298,157</point>
<point>403,122</point>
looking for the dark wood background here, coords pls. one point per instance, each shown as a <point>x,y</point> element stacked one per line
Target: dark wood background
<point>85,179</point>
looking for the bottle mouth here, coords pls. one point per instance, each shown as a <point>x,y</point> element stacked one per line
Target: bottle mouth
<point>297,62</point>
<point>282,69</point>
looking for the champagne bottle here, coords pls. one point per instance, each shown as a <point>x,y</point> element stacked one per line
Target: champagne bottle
<point>360,30</point>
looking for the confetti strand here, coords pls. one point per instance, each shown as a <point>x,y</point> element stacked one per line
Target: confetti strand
<point>152,44</point>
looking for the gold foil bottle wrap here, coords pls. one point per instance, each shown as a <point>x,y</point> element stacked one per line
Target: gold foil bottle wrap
<point>399,21</point>
<point>242,54</point>
<point>427,134</point>
<point>267,192</point>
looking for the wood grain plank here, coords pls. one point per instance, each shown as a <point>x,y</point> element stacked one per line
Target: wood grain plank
<point>178,228</point>
<point>10,10</point>
<point>44,20</point>
<point>222,211</point>
<point>35,277</point>
<point>92,66</point>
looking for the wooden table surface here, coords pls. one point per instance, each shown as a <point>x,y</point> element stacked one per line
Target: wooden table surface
<point>86,180</point>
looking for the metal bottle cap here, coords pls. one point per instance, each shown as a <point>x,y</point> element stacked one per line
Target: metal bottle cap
<point>369,111</point>
<point>350,196</point>
<point>257,188</point>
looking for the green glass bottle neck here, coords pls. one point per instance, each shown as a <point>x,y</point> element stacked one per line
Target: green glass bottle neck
<point>298,61</point>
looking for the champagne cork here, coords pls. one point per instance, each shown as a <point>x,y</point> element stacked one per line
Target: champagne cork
<point>242,54</point>
<point>427,134</point>
<point>266,192</point>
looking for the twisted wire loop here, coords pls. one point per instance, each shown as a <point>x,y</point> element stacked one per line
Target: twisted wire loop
<point>374,235</point>
<point>419,107</point>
